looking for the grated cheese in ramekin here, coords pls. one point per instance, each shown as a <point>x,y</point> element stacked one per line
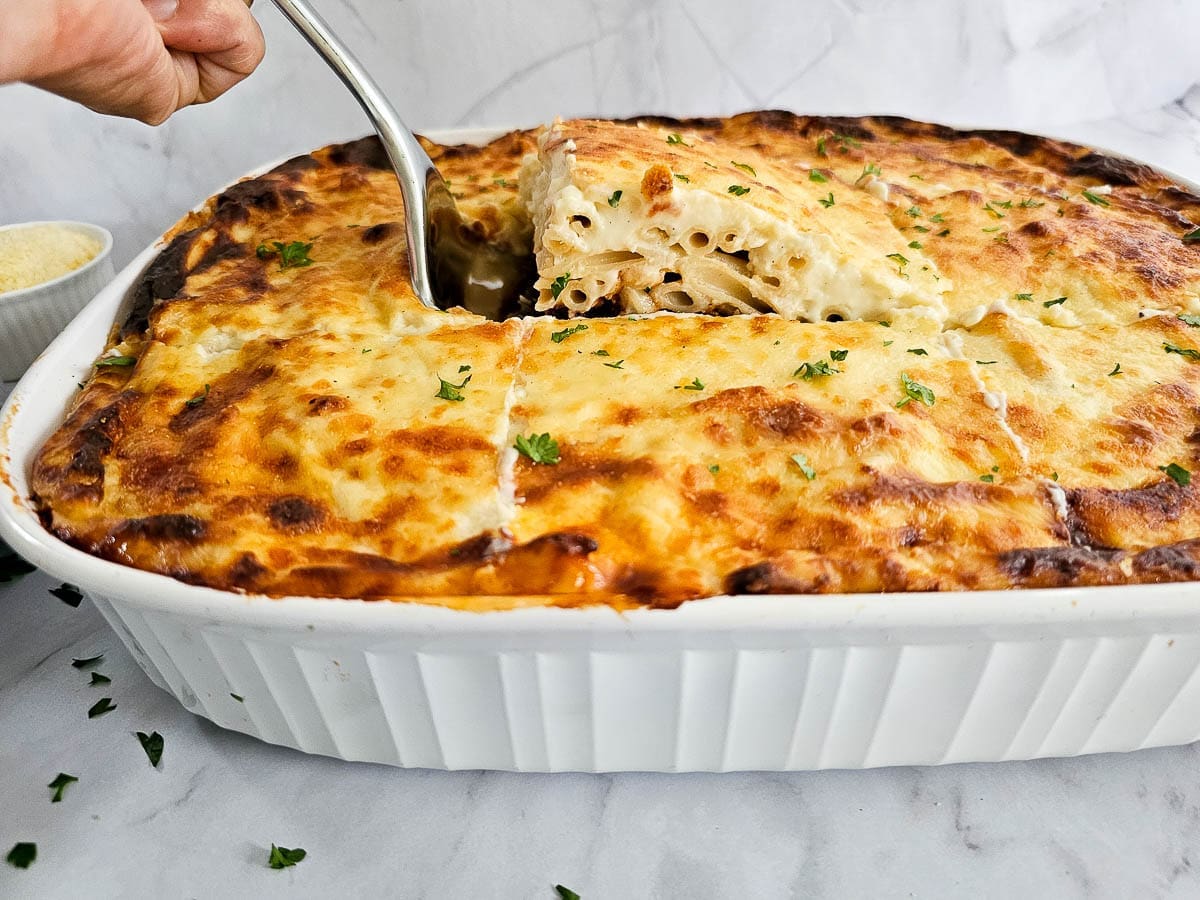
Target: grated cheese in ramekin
<point>41,253</point>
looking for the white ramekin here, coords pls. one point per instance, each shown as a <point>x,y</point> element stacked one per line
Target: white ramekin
<point>32,317</point>
<point>731,683</point>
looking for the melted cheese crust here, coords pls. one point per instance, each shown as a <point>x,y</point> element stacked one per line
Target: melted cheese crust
<point>281,429</point>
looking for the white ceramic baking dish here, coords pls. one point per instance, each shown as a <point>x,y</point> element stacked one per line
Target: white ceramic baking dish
<point>786,682</point>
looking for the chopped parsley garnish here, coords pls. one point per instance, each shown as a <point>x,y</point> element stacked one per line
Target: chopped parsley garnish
<point>986,362</point>
<point>815,175</point>
<point>1116,371</point>
<point>868,170</point>
<point>600,353</point>
<point>464,368</point>
<point>115,362</point>
<point>1182,351</point>
<point>97,678</point>
<point>101,706</point>
<point>293,255</point>
<point>683,178</point>
<point>565,893</point>
<point>802,461</point>
<point>914,391</point>
<point>86,663</point>
<point>914,211</point>
<point>614,199</point>
<point>917,351</point>
<point>1193,321</point>
<point>992,211</point>
<point>821,151</point>
<point>1054,476</point>
<point>22,855</point>
<point>1055,302</point>
<point>202,396</point>
<point>615,365</point>
<point>1024,298</point>
<point>819,369</point>
<point>845,142</point>
<point>59,784</point>
<point>915,245</point>
<point>991,230</point>
<point>901,261</point>
<point>282,857</point>
<point>559,336</point>
<point>1003,204</point>
<point>714,469</point>
<point>238,697</point>
<point>68,594</point>
<point>503,182</point>
<point>744,167</point>
<point>888,343</point>
<point>943,232</point>
<point>838,355</point>
<point>452,392</point>
<point>541,449</point>
<point>366,350</point>
<point>1192,236</point>
<point>556,286</point>
<point>886,323</point>
<point>152,743</point>
<point>738,190</point>
<point>1095,198</point>
<point>695,385</point>
<point>937,217</point>
<point>1030,203</point>
<point>1177,473</point>
<point>675,138</point>
<point>827,201</point>
<point>920,228</point>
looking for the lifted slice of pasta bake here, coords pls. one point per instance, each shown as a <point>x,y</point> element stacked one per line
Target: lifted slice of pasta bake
<point>637,217</point>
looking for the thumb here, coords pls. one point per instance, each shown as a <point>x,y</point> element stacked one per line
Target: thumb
<point>204,26</point>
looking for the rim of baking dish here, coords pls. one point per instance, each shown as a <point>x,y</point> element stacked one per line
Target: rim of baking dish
<point>55,374</point>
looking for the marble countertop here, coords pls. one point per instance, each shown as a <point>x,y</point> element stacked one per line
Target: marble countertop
<point>1122,74</point>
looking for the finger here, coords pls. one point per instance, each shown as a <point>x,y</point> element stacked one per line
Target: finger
<point>212,26</point>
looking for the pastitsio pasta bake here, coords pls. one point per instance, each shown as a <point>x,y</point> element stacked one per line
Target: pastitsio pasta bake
<point>763,354</point>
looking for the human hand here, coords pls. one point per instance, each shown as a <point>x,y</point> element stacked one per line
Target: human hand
<point>144,59</point>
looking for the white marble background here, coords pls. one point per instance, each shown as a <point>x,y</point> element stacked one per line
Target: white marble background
<point>1124,74</point>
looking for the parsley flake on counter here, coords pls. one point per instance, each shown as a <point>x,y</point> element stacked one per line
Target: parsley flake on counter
<point>565,893</point>
<point>22,855</point>
<point>815,175</point>
<point>1192,236</point>
<point>614,199</point>
<point>87,663</point>
<point>917,351</point>
<point>1193,321</point>
<point>695,385</point>
<point>541,449</point>
<point>819,369</point>
<point>97,678</point>
<point>559,336</point>
<point>152,743</point>
<point>838,355</point>
<point>914,391</point>
<point>115,362</point>
<point>449,391</point>
<point>556,286</point>
<point>238,697</point>
<point>682,178</point>
<point>1024,298</point>
<point>827,201</point>
<point>744,167</point>
<point>282,857</point>
<point>1055,302</point>
<point>1177,473</point>
<point>802,461</point>
<point>68,594</point>
<point>738,190</point>
<point>201,397</point>
<point>101,706</point>
<point>59,784</point>
<point>1187,352</point>
<point>1116,371</point>
<point>1095,198</point>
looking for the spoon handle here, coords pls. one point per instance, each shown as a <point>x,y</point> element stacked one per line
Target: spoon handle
<point>421,185</point>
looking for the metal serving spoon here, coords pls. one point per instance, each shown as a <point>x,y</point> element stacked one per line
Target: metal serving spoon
<point>449,266</point>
